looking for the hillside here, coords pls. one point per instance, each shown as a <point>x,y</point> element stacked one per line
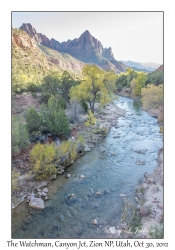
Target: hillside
<point>85,48</point>
<point>31,61</point>
<point>156,76</point>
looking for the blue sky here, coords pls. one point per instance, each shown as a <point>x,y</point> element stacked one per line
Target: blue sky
<point>136,36</point>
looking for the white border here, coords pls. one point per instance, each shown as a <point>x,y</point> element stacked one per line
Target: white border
<point>5,100</point>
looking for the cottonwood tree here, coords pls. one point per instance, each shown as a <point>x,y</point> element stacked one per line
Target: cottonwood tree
<point>97,84</point>
<point>152,96</point>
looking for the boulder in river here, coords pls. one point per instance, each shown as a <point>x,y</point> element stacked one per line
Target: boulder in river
<point>36,203</point>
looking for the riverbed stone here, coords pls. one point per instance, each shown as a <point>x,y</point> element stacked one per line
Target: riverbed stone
<point>112,230</point>
<point>153,214</point>
<point>68,176</point>
<point>87,149</point>
<point>45,190</point>
<point>155,190</point>
<point>144,211</point>
<point>36,203</point>
<point>53,177</point>
<point>160,207</point>
<point>123,225</point>
<point>150,180</point>
<point>40,194</point>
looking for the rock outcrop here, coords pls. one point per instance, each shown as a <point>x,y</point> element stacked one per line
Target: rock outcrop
<point>86,48</point>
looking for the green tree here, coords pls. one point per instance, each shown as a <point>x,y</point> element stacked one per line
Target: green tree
<point>20,136</point>
<point>54,118</point>
<point>155,77</point>
<point>33,120</point>
<point>140,83</point>
<point>97,85</point>
<point>66,83</point>
<point>50,86</point>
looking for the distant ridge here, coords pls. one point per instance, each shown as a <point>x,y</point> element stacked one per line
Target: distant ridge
<point>143,66</point>
<point>86,48</point>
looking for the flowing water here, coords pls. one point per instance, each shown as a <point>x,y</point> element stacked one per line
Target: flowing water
<point>110,173</point>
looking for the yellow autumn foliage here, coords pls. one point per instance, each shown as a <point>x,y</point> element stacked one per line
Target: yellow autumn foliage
<point>42,157</point>
<point>152,96</point>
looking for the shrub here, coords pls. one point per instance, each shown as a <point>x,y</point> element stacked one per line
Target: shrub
<point>42,157</point>
<point>33,119</point>
<point>20,136</point>
<point>32,87</point>
<point>54,118</point>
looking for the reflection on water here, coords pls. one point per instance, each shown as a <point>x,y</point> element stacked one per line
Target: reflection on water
<point>106,175</point>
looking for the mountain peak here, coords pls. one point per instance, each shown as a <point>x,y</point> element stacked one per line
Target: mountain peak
<point>86,33</point>
<point>86,48</point>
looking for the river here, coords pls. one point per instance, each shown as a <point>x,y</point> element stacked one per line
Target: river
<point>106,175</point>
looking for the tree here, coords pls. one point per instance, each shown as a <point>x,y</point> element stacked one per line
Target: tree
<point>50,86</point>
<point>91,120</point>
<point>33,120</point>
<point>97,84</point>
<point>152,96</point>
<point>140,83</point>
<point>20,136</point>
<point>66,83</point>
<point>54,118</point>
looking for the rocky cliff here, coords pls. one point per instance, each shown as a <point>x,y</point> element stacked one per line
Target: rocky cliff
<point>86,48</point>
<point>27,50</point>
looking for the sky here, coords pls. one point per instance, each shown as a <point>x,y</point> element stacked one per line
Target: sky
<point>135,36</point>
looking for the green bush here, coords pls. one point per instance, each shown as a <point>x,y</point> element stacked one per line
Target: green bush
<point>54,118</point>
<point>20,136</point>
<point>33,119</point>
<point>32,87</point>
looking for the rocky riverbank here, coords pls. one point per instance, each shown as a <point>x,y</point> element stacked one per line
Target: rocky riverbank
<point>149,196</point>
<point>35,192</point>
